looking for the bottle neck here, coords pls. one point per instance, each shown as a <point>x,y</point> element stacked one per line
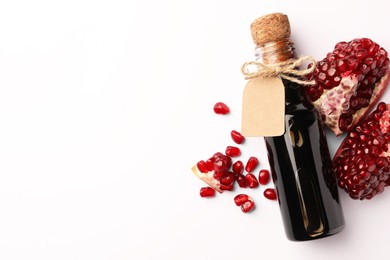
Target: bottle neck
<point>275,52</point>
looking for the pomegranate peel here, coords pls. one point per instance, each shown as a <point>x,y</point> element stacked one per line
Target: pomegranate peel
<point>349,81</point>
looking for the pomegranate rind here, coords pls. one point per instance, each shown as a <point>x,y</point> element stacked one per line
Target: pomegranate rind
<point>208,178</point>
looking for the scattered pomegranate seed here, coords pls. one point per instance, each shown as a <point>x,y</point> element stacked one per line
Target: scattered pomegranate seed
<point>251,164</point>
<point>270,194</point>
<point>238,167</point>
<point>248,206</point>
<point>221,108</point>
<point>241,199</point>
<point>207,192</point>
<point>232,151</point>
<point>264,177</point>
<point>237,137</point>
<point>251,181</point>
<point>241,180</point>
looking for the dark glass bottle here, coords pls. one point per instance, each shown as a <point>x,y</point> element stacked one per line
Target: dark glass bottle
<point>300,161</point>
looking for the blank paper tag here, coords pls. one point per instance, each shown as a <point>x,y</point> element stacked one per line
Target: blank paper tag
<point>263,107</point>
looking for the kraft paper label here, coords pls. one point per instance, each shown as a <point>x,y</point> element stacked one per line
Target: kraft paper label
<point>263,107</point>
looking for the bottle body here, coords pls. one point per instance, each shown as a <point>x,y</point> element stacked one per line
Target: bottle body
<point>301,169</point>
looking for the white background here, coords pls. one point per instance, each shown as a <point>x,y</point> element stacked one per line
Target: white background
<point>106,105</point>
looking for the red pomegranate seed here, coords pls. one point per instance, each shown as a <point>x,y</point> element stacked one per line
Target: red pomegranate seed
<point>270,194</point>
<point>227,187</point>
<point>241,180</point>
<point>251,181</point>
<point>264,177</point>
<point>232,151</point>
<point>221,108</point>
<point>241,199</point>
<point>248,206</point>
<point>207,192</point>
<point>237,137</point>
<point>202,166</point>
<point>228,179</point>
<point>251,164</point>
<point>238,167</point>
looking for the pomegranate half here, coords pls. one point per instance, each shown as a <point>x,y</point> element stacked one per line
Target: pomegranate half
<point>349,81</point>
<point>362,162</point>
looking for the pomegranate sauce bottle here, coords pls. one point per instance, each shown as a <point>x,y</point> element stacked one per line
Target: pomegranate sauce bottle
<point>299,159</point>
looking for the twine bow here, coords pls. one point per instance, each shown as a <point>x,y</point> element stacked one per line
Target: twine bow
<point>286,70</point>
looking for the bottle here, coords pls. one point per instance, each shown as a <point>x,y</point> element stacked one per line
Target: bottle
<point>299,159</point>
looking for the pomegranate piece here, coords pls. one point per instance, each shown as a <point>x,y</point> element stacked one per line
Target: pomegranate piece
<point>251,181</point>
<point>221,108</point>
<point>349,81</point>
<point>270,194</point>
<point>247,204</point>
<point>238,167</point>
<point>232,151</point>
<point>362,162</point>
<point>215,172</point>
<point>237,137</point>
<point>251,164</point>
<point>264,177</point>
<point>207,192</point>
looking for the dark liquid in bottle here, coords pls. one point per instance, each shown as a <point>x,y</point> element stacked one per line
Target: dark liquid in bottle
<point>301,169</point>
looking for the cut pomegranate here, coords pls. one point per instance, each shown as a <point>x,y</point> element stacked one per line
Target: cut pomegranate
<point>264,177</point>
<point>349,81</point>
<point>237,137</point>
<point>238,167</point>
<point>207,192</point>
<point>221,108</point>
<point>251,164</point>
<point>362,162</point>
<point>215,172</point>
<point>270,194</point>
<point>251,181</point>
<point>232,151</point>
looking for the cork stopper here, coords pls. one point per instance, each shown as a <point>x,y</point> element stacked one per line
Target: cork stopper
<point>270,28</point>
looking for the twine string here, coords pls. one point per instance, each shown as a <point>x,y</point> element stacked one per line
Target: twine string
<point>286,70</point>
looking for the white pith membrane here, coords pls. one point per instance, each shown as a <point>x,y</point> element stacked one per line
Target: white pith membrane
<point>333,101</point>
<point>207,178</point>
